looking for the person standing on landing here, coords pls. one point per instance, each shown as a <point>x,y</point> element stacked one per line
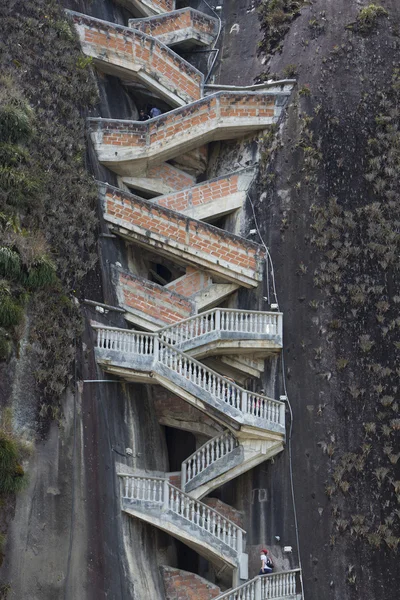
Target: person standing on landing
<point>267,565</point>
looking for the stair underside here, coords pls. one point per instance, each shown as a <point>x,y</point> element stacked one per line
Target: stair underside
<point>198,539</point>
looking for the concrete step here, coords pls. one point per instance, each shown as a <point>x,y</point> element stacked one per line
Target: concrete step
<point>128,147</point>
<point>182,239</point>
<point>199,526</point>
<point>135,56</point>
<point>143,357</point>
<point>185,28</point>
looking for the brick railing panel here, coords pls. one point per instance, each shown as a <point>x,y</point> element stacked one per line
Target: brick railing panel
<point>196,238</point>
<point>153,300</point>
<point>201,193</point>
<point>182,585</point>
<point>138,52</point>
<point>219,116</point>
<point>179,25</point>
<point>191,283</point>
<point>171,176</point>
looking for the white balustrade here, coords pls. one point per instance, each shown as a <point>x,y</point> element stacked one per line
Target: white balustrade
<point>207,455</point>
<point>265,587</point>
<point>223,390</point>
<point>125,340</point>
<point>160,492</point>
<point>218,319</point>
<point>148,489</point>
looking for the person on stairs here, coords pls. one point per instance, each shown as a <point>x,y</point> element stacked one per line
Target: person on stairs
<point>267,566</point>
<point>155,112</point>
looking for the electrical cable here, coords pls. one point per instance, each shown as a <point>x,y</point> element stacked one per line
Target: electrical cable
<point>271,265</point>
<point>210,69</point>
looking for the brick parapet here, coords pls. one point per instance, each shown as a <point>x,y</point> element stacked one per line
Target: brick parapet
<point>193,282</point>
<point>183,128</point>
<point>162,25</point>
<point>182,585</point>
<point>202,193</point>
<point>206,242</point>
<point>123,46</point>
<point>171,176</point>
<point>237,516</point>
<point>159,304</point>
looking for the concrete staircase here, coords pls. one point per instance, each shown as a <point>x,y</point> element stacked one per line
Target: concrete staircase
<point>217,263</point>
<point>144,357</point>
<point>156,501</point>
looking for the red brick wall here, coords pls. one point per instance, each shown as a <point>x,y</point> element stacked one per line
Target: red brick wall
<point>136,47</point>
<point>171,176</point>
<point>194,281</point>
<point>227,511</point>
<point>175,479</point>
<point>200,194</point>
<point>165,5</point>
<point>153,299</point>
<point>197,235</point>
<point>182,585</point>
<point>163,24</point>
<point>157,132</point>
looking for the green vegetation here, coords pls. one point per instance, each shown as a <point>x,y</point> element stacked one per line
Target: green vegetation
<point>276,17</point>
<point>290,71</point>
<point>11,472</point>
<point>47,197</point>
<point>367,19</point>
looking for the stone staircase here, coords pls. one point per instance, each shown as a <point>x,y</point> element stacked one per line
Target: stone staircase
<point>246,428</point>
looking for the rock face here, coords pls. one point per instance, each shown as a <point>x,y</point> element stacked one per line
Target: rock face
<point>67,538</point>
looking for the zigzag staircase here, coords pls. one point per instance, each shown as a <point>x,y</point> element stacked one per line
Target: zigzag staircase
<point>191,353</point>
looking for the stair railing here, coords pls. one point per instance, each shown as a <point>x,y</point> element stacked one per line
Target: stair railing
<point>223,390</point>
<point>206,455</point>
<point>266,587</point>
<point>221,319</point>
<point>159,491</point>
